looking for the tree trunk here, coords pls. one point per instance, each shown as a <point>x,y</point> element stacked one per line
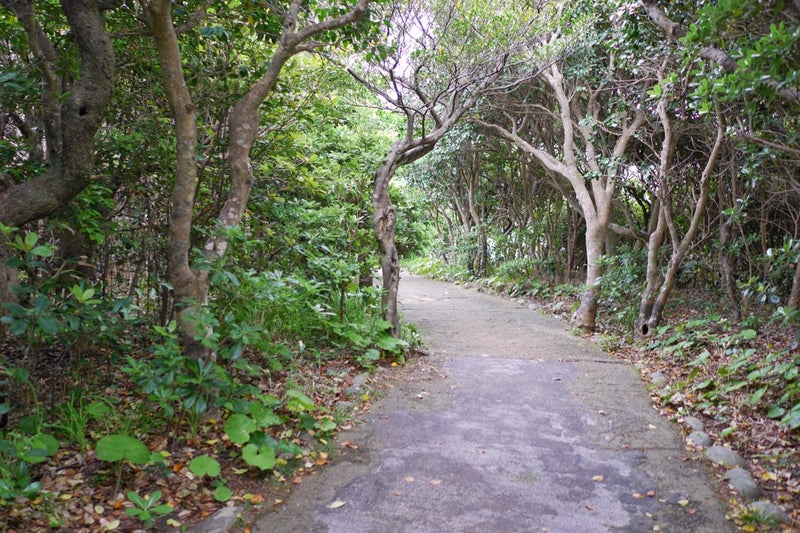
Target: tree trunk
<point>71,121</point>
<point>190,288</point>
<point>680,245</point>
<point>384,217</point>
<point>644,328</point>
<point>9,277</point>
<point>586,315</point>
<point>794,296</point>
<point>727,262</point>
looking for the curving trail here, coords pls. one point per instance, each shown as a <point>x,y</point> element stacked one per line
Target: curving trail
<point>512,424</point>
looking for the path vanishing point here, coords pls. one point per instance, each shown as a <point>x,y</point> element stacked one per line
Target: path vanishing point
<point>510,424</point>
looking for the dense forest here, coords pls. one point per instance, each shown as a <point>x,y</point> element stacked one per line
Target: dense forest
<point>205,205</point>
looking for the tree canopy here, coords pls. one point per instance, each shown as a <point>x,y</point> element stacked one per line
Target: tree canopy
<point>199,195</point>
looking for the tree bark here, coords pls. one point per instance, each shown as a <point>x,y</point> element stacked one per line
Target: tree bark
<point>383,221</point>
<point>727,263</point>
<point>190,288</point>
<point>71,121</point>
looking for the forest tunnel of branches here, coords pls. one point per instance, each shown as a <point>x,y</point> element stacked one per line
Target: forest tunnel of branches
<point>217,184</point>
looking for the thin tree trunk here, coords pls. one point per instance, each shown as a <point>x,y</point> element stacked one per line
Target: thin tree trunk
<point>190,288</point>
<point>680,246</point>
<point>794,296</point>
<point>384,218</point>
<point>653,278</point>
<point>727,263</point>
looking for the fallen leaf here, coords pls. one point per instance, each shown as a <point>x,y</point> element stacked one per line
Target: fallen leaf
<point>597,479</point>
<point>348,444</point>
<point>112,525</point>
<point>337,504</point>
<point>683,503</point>
<point>651,493</point>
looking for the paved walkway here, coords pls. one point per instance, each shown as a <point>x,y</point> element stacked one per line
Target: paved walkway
<point>515,425</point>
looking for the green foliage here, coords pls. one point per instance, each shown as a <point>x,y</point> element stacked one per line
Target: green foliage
<point>779,266</point>
<point>116,448</point>
<point>180,384</point>
<point>725,368</point>
<point>72,315</point>
<point>621,286</point>
<point>23,445</point>
<point>19,450</point>
<point>147,510</point>
<point>247,428</point>
<point>74,416</point>
<point>437,269</point>
<point>203,465</point>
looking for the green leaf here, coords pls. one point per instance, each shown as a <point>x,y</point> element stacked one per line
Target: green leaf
<point>45,442</point>
<point>748,334</point>
<point>113,448</point>
<point>223,494</point>
<point>42,251</point>
<point>298,402</point>
<point>326,424</point>
<point>372,354</point>
<point>204,465</point>
<point>48,324</point>
<point>97,410</point>
<point>136,499</point>
<point>239,427</point>
<point>776,411</point>
<point>756,396</point>
<point>263,416</point>
<point>261,457</point>
<point>30,240</point>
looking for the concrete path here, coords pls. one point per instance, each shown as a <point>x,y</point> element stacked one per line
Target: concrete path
<point>513,425</point>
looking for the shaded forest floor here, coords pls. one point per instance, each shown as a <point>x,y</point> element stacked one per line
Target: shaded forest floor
<point>81,493</point>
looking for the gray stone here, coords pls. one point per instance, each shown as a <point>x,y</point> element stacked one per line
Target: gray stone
<point>219,522</point>
<point>344,407</point>
<point>770,511</point>
<point>700,439</point>
<point>353,392</point>
<point>695,423</point>
<point>743,483</point>
<point>657,378</point>
<point>725,456</point>
<point>359,380</point>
